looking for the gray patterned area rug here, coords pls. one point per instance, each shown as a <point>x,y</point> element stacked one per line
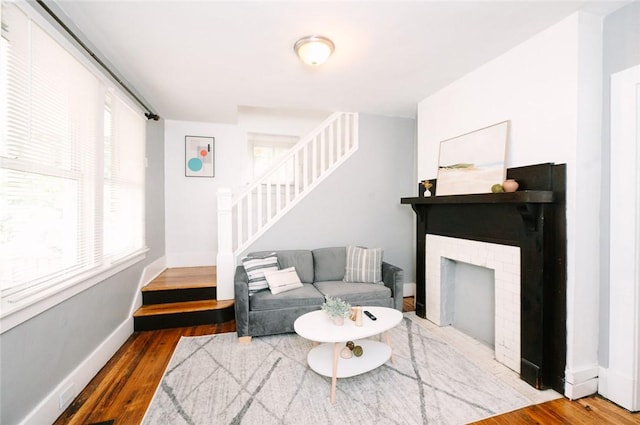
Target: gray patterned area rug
<point>215,380</point>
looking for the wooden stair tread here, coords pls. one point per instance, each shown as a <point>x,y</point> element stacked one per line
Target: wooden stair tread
<point>182,307</point>
<point>183,278</point>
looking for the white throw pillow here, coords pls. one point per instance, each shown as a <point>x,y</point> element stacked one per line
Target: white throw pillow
<point>363,265</point>
<point>282,280</point>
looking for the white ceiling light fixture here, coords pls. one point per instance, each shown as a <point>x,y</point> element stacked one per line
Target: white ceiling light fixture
<point>314,49</point>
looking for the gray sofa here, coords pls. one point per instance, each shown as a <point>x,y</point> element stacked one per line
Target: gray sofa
<point>321,272</point>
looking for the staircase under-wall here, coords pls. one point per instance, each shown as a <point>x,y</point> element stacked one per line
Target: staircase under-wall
<point>182,296</point>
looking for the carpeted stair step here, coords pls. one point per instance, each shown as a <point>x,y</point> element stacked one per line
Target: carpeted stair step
<point>181,314</point>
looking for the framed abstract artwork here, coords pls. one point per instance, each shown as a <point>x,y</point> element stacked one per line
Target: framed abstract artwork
<point>199,156</point>
<point>473,162</point>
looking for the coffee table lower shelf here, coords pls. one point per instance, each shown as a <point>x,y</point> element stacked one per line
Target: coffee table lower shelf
<point>374,354</point>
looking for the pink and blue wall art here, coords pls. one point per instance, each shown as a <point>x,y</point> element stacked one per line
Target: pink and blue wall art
<point>199,156</point>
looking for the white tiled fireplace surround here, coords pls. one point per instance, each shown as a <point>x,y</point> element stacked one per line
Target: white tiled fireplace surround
<point>505,261</point>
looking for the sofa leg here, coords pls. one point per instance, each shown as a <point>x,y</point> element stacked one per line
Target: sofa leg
<point>244,339</point>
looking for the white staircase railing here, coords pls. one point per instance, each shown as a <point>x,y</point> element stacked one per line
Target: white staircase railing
<point>267,199</point>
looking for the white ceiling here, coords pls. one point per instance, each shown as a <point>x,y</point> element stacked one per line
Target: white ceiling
<point>201,60</point>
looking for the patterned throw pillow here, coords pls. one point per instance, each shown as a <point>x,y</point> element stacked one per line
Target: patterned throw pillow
<point>363,265</point>
<point>282,280</point>
<point>255,268</point>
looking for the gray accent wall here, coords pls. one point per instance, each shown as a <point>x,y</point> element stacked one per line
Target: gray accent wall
<point>37,355</point>
<point>621,50</point>
<point>359,204</point>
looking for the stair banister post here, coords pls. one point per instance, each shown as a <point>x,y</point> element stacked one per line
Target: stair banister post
<point>225,261</point>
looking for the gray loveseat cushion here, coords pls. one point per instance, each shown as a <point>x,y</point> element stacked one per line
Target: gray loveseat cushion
<point>329,263</point>
<point>308,295</point>
<point>353,293</point>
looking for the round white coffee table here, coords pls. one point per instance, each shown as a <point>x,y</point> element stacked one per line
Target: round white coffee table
<point>325,358</point>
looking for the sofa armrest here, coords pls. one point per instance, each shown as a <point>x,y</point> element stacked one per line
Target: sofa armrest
<point>241,302</point>
<point>393,278</point>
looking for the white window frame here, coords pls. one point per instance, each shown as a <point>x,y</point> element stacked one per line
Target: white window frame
<point>30,303</point>
<point>273,141</point>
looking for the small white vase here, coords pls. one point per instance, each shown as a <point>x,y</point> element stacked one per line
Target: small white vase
<point>338,320</point>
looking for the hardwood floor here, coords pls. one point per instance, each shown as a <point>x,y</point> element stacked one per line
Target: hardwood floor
<point>123,389</point>
<point>586,411</point>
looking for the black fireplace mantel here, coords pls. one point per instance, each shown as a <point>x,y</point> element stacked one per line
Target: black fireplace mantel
<point>533,219</point>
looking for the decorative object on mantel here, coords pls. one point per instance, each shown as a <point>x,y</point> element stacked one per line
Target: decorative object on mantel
<point>199,156</point>
<point>510,185</point>
<point>497,188</point>
<point>472,162</point>
<point>336,309</point>
<point>427,187</point>
<point>427,184</point>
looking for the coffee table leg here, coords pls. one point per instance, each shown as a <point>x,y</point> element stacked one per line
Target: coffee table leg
<point>334,376</point>
<point>386,337</point>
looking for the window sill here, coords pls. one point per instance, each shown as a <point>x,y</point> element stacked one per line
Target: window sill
<point>15,313</point>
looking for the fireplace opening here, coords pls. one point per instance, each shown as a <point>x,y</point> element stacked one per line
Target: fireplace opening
<point>449,260</point>
<point>470,298</point>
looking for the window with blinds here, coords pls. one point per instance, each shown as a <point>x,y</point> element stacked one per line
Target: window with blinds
<point>71,164</point>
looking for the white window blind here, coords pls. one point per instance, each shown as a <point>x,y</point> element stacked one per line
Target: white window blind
<point>71,199</point>
<point>123,180</point>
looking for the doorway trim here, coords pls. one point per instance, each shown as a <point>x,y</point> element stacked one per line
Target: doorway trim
<point>620,381</point>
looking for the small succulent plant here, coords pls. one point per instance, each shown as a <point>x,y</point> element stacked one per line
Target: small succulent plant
<point>335,307</point>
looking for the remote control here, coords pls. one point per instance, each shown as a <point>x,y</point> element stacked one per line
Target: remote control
<point>371,316</point>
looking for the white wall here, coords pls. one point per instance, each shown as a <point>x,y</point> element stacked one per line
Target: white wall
<point>190,202</point>
<point>549,88</point>
<point>359,203</point>
<point>279,121</point>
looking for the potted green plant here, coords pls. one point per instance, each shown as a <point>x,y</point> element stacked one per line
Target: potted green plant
<point>336,309</point>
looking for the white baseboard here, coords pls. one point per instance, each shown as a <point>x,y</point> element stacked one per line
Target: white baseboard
<point>581,382</point>
<point>409,289</point>
<point>617,388</point>
<point>48,410</point>
<point>576,391</point>
<point>150,272</point>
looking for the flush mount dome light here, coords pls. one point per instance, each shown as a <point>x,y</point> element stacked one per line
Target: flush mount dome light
<point>314,49</point>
